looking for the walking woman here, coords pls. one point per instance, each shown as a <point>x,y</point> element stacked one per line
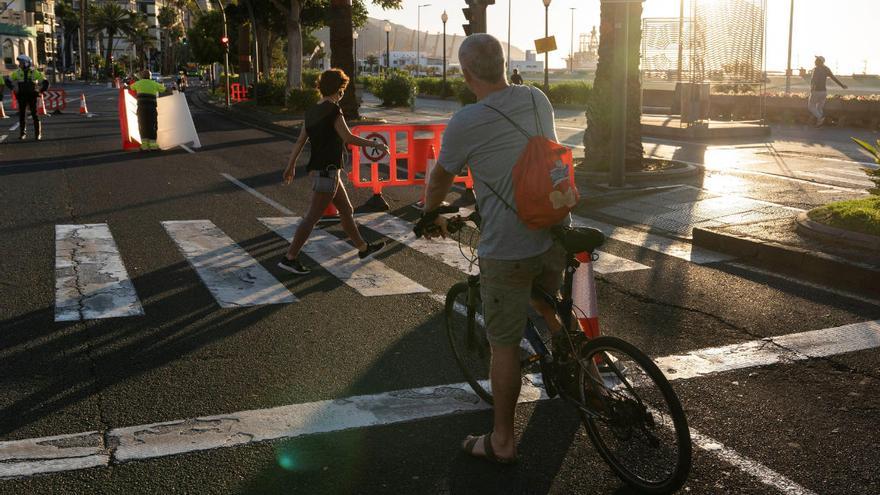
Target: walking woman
<point>326,129</point>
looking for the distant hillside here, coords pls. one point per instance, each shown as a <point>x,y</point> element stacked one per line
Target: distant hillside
<point>371,41</point>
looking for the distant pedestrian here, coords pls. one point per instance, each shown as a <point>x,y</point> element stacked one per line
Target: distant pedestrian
<point>325,128</point>
<point>148,109</point>
<point>23,81</point>
<point>515,78</point>
<point>818,90</point>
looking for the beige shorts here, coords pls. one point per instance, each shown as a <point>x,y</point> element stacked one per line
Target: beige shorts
<point>506,289</point>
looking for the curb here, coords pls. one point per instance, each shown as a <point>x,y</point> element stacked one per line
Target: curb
<point>827,233</point>
<point>641,177</point>
<point>818,267</point>
<point>201,101</point>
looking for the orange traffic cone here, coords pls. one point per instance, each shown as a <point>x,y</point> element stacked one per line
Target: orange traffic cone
<point>331,214</point>
<point>83,109</point>
<point>42,109</point>
<point>2,111</point>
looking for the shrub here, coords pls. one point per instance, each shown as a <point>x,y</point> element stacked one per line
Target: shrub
<point>463,93</point>
<point>873,174</point>
<point>270,93</point>
<point>433,86</point>
<point>310,78</point>
<point>398,89</point>
<point>370,82</point>
<point>302,99</point>
<point>570,93</point>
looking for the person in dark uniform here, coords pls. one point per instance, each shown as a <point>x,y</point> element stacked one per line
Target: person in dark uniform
<point>515,78</point>
<point>148,116</point>
<point>328,133</point>
<point>23,81</point>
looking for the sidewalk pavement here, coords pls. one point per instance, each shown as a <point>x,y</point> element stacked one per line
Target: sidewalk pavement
<point>762,232</point>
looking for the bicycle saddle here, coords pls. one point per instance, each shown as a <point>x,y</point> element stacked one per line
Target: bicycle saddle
<point>578,239</point>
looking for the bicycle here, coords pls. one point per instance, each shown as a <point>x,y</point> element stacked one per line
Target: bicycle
<point>627,406</point>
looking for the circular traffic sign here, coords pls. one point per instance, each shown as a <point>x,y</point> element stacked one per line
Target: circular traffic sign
<point>375,154</point>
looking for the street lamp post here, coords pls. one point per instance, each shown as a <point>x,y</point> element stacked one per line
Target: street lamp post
<point>444,18</point>
<point>387,47</point>
<point>418,38</point>
<point>354,36</point>
<point>225,51</point>
<point>571,47</point>
<point>547,54</point>
<point>788,67</point>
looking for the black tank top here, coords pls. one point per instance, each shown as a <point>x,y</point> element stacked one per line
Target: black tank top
<point>327,146</point>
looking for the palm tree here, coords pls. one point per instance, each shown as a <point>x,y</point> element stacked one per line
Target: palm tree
<point>69,20</point>
<point>341,45</point>
<point>112,19</point>
<point>372,60</point>
<point>139,36</point>
<point>172,31</point>
<point>597,138</point>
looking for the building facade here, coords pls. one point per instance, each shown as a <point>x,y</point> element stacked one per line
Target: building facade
<point>27,27</point>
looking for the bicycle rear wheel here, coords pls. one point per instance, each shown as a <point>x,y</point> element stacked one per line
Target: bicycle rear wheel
<point>467,336</point>
<point>633,416</point>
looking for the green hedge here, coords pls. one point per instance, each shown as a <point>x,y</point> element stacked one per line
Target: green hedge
<point>570,93</point>
<point>369,82</point>
<point>302,99</point>
<point>270,93</point>
<point>396,90</point>
<point>434,86</point>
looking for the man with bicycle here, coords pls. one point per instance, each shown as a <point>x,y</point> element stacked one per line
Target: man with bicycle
<point>513,258</point>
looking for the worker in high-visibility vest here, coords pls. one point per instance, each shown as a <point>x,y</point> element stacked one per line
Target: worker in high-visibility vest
<point>148,116</point>
<point>23,81</point>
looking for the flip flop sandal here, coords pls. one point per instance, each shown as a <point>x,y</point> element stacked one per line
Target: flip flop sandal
<point>487,446</point>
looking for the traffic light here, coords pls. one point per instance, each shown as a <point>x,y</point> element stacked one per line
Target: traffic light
<point>475,14</point>
<point>225,42</point>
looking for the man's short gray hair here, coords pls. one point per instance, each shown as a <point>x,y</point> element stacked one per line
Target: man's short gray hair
<point>483,56</point>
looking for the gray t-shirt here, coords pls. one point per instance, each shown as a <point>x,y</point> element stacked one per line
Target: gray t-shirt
<point>480,138</point>
<point>820,74</point>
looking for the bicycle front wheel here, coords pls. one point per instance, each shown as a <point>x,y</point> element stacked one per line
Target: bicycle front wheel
<point>467,336</point>
<point>633,416</point>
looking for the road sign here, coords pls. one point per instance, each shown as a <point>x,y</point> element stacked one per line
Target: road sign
<point>376,154</point>
<point>544,45</point>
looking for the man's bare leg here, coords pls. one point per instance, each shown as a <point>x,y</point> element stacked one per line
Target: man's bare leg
<point>506,383</point>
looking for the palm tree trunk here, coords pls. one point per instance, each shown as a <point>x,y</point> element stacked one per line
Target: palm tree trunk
<point>108,54</point>
<point>294,46</point>
<point>341,46</point>
<point>597,138</point>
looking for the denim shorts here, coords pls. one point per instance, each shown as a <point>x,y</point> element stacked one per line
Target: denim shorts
<point>325,182</point>
<point>506,289</point>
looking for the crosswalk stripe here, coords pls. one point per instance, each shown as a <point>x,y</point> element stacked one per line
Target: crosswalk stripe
<point>233,277</point>
<point>90,280</point>
<point>840,171</point>
<point>449,252</point>
<point>834,178</point>
<point>445,250</point>
<point>369,278</point>
<point>653,242</point>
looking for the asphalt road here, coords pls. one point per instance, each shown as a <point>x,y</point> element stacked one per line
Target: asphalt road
<point>806,424</point>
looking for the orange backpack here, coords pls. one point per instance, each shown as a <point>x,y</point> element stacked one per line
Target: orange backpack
<point>543,179</point>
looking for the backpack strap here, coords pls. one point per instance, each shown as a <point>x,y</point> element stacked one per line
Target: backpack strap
<point>538,125</point>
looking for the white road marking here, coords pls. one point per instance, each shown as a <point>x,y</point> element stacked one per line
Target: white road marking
<point>837,292</point>
<point>749,466</point>
<point>448,251</point>
<point>187,148</point>
<point>90,280</point>
<point>3,138</point>
<point>52,454</point>
<point>835,178</point>
<point>258,195</point>
<point>852,173</point>
<point>40,455</point>
<point>234,278</point>
<point>444,250</point>
<point>15,126</point>
<point>653,242</point>
<point>368,278</point>
<point>772,350</point>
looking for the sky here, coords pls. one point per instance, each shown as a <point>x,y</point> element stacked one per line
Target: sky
<point>845,33</point>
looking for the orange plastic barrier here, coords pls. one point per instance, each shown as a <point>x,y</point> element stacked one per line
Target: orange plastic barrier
<point>405,163</point>
<point>127,143</point>
<point>56,100</point>
<point>237,92</point>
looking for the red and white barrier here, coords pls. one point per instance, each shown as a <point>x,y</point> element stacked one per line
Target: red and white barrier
<point>584,296</point>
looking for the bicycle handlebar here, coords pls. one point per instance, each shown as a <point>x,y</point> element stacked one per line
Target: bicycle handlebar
<point>453,224</point>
